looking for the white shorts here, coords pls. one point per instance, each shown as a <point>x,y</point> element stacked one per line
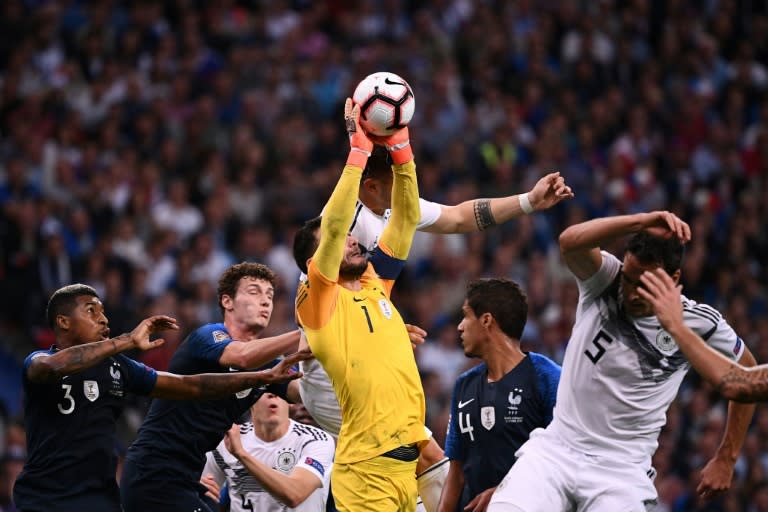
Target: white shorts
<point>552,477</point>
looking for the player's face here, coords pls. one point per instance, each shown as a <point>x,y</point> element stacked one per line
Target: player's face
<point>270,410</point>
<point>87,323</point>
<point>471,332</point>
<point>253,303</point>
<point>634,304</point>
<point>355,259</point>
<point>379,192</point>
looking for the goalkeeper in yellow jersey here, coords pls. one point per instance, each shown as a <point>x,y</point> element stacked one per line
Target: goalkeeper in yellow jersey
<point>357,334</point>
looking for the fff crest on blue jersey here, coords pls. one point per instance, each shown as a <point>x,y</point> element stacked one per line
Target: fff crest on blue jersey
<point>91,390</point>
<point>116,387</point>
<point>515,399</point>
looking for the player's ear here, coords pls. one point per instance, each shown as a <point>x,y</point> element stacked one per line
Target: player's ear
<point>676,276</point>
<point>486,319</point>
<point>62,322</point>
<point>226,302</point>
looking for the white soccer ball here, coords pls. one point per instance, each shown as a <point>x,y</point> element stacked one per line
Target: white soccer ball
<point>386,103</point>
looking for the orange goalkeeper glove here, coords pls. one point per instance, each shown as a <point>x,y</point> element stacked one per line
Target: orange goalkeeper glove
<point>398,144</point>
<point>360,145</point>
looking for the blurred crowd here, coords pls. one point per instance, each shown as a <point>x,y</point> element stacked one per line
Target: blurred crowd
<point>147,145</point>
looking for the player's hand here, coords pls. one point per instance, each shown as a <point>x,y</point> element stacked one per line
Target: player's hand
<point>154,324</point>
<point>548,191</point>
<point>660,290</point>
<point>213,490</point>
<point>416,334</point>
<point>480,502</point>
<point>398,144</point>
<point>232,441</point>
<point>665,224</point>
<point>283,371</point>
<point>360,146</point>
<point>715,478</point>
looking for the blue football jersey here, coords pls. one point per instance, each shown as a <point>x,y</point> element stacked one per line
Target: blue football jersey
<point>71,437</point>
<point>491,420</point>
<point>176,434</point>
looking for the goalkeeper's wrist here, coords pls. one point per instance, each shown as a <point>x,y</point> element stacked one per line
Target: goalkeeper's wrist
<point>401,152</point>
<point>358,157</point>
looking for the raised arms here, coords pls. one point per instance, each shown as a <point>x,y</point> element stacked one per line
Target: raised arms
<point>46,368</point>
<point>580,243</point>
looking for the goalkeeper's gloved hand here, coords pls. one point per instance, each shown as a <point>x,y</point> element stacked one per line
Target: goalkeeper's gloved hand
<point>398,144</point>
<point>360,145</point>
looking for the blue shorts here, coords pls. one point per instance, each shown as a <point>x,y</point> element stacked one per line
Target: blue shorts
<point>140,494</point>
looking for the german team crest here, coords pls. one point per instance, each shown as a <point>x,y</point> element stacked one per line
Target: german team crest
<point>488,417</point>
<point>91,390</point>
<point>665,342</point>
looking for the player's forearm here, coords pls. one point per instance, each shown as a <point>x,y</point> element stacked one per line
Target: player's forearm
<point>256,353</point>
<point>590,234</point>
<point>732,380</point>
<point>204,386</point>
<point>398,235</point>
<point>337,218</point>
<point>77,358</point>
<point>454,483</point>
<point>282,487</point>
<point>738,419</point>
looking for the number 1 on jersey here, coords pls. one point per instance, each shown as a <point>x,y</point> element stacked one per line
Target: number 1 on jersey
<point>367,318</point>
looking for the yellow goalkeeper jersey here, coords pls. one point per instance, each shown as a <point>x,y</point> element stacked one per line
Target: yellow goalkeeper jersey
<point>361,341</point>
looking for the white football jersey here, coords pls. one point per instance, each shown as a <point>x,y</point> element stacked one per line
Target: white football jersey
<point>315,386</point>
<point>303,446</point>
<point>620,374</point>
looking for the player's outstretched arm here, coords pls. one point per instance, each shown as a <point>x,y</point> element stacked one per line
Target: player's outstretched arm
<point>206,386</point>
<point>47,368</point>
<point>340,209</point>
<point>254,354</point>
<point>291,489</point>
<point>732,380</point>
<point>580,243</point>
<point>397,236</point>
<point>483,213</point>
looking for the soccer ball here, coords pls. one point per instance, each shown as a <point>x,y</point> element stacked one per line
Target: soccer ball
<point>386,103</point>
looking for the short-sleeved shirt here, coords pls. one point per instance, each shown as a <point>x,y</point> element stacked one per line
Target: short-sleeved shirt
<point>620,374</point>
<point>361,341</point>
<point>176,434</point>
<point>490,420</point>
<point>71,432</point>
<point>302,446</point>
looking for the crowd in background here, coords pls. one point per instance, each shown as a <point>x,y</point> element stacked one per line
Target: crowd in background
<point>146,145</point>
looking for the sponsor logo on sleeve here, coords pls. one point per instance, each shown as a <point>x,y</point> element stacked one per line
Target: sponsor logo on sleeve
<point>309,461</point>
<point>219,336</point>
<point>737,346</point>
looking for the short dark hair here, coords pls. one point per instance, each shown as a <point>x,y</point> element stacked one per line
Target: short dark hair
<point>231,277</point>
<point>64,300</point>
<point>305,243</point>
<point>379,164</point>
<point>503,299</point>
<point>649,249</point>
